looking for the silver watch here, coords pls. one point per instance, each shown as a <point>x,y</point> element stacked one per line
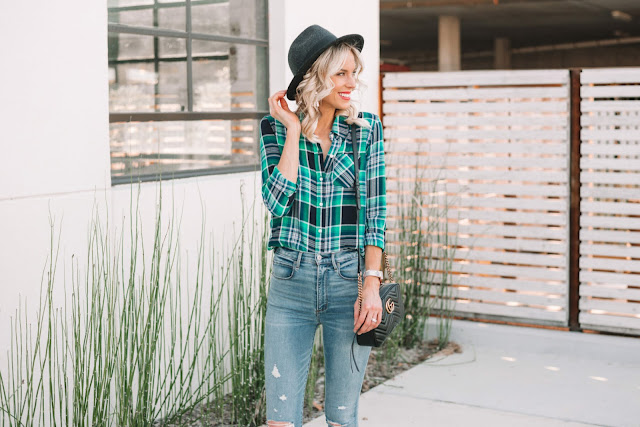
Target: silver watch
<point>377,273</point>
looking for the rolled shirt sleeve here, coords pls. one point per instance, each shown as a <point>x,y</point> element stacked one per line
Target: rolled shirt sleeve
<point>278,192</point>
<point>376,201</point>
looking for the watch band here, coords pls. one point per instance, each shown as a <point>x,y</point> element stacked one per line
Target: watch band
<point>376,273</point>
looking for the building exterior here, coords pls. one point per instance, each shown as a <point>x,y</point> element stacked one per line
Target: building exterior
<point>70,119</point>
<point>63,154</point>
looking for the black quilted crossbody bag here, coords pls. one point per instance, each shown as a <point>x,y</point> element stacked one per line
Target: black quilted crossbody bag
<point>390,293</point>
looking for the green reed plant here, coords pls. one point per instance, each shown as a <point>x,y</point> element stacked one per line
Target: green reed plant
<point>424,247</point>
<point>317,361</point>
<point>247,315</point>
<point>133,344</point>
<point>427,247</point>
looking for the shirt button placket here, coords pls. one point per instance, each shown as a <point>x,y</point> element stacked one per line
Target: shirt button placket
<point>320,210</point>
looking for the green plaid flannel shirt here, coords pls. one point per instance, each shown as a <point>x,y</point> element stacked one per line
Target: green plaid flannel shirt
<point>317,213</point>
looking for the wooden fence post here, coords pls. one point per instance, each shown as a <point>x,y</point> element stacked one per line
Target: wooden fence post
<point>574,203</point>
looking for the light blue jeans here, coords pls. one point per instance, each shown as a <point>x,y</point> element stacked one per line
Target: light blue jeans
<point>308,289</point>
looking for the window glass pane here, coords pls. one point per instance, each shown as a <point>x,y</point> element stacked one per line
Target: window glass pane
<point>211,18</point>
<point>141,14</point>
<point>172,87</point>
<point>154,147</point>
<point>138,82</point>
<point>211,76</point>
<point>174,18</point>
<point>132,88</point>
<point>235,18</point>
<point>136,17</point>
<point>148,74</point>
<point>241,18</point>
<point>225,77</point>
<point>262,20</point>
<point>129,46</point>
<point>169,47</point>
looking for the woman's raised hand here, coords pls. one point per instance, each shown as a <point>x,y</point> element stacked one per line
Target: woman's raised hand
<point>279,109</point>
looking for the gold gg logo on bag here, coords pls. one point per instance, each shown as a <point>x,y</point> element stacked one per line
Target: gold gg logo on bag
<point>389,305</point>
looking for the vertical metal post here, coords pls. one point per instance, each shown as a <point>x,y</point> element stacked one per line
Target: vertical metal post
<point>189,29</point>
<point>156,56</point>
<point>574,202</point>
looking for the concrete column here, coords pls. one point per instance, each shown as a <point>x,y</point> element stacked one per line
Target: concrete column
<point>448,43</point>
<point>502,53</point>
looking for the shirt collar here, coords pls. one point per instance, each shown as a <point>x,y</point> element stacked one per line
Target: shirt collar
<point>339,128</point>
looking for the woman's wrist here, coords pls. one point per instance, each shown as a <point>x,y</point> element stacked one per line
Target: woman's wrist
<point>295,128</point>
<point>372,281</point>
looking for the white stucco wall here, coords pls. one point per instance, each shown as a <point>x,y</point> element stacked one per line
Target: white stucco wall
<point>54,98</point>
<point>54,116</point>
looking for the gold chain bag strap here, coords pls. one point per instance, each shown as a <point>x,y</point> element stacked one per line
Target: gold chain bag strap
<point>390,293</point>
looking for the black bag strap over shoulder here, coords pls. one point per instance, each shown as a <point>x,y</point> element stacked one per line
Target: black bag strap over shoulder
<point>390,294</point>
<point>356,165</point>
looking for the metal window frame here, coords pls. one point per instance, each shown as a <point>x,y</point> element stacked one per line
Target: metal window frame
<point>192,173</point>
<point>189,115</point>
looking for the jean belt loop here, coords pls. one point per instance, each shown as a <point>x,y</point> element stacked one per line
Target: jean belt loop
<point>297,266</point>
<point>333,261</point>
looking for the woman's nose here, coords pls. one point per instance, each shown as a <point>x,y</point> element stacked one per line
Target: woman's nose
<point>352,81</point>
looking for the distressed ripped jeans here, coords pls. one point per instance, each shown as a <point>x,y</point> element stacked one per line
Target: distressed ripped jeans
<point>308,289</point>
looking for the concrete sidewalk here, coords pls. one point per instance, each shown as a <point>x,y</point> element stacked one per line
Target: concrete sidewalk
<point>513,376</point>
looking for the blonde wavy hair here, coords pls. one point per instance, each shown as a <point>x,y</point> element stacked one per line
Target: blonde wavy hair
<point>317,84</point>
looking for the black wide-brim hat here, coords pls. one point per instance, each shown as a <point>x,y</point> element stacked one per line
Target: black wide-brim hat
<point>308,46</point>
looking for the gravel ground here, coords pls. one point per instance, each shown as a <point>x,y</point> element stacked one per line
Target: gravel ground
<point>376,373</point>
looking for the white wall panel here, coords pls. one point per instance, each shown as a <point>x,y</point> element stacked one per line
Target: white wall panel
<point>55,105</point>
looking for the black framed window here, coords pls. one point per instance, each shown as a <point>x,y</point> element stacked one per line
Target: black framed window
<point>188,85</point>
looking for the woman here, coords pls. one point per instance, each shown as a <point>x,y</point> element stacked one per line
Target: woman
<point>308,182</point>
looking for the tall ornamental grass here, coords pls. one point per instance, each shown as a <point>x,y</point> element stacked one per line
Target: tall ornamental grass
<point>424,250</point>
<point>132,344</point>
<point>143,337</point>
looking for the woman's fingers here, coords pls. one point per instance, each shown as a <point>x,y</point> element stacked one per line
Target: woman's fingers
<point>371,309</point>
<point>363,322</point>
<point>272,104</point>
<point>362,316</point>
<point>284,104</point>
<point>367,326</point>
<point>279,109</point>
<point>275,102</point>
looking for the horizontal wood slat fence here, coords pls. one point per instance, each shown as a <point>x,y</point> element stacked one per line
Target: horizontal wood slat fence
<point>610,200</point>
<point>491,151</point>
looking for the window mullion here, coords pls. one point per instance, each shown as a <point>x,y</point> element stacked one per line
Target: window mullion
<point>189,60</point>
<point>156,56</point>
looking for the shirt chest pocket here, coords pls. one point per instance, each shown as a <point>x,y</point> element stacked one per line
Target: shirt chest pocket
<point>343,171</point>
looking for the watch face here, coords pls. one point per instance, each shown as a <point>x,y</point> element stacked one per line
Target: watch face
<point>375,273</point>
